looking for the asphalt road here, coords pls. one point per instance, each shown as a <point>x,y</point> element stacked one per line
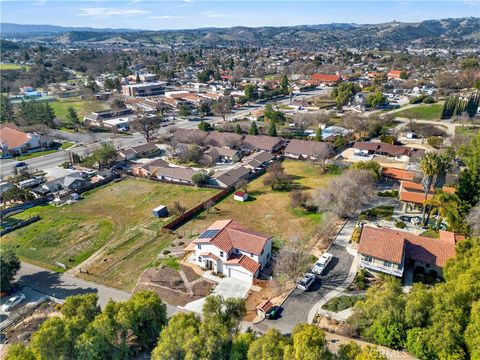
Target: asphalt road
<point>63,285</point>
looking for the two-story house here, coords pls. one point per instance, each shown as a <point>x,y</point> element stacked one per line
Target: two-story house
<point>227,247</point>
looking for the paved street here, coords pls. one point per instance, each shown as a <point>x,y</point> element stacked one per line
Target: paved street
<point>63,285</point>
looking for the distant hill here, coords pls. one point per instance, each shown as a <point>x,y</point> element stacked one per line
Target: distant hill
<point>446,33</point>
<point>9,29</point>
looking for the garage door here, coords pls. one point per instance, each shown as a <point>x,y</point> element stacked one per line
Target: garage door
<point>240,275</point>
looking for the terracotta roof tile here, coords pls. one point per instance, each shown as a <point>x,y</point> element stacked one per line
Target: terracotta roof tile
<point>398,174</point>
<point>244,261</point>
<point>13,137</point>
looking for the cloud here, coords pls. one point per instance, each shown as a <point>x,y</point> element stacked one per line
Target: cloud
<point>214,15</point>
<point>107,12</point>
<point>161,17</point>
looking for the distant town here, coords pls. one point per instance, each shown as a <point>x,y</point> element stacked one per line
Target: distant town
<point>296,193</point>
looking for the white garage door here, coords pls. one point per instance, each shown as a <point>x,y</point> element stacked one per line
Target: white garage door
<point>240,275</point>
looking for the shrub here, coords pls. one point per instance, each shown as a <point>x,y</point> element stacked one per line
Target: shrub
<point>435,141</point>
<point>166,252</point>
<point>400,224</point>
<point>428,100</point>
<point>342,302</point>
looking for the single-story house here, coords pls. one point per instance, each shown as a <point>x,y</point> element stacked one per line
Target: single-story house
<point>228,248</point>
<point>262,143</point>
<point>139,151</point>
<point>304,149</point>
<point>14,142</point>
<point>74,181</point>
<point>176,174</point>
<point>221,154</point>
<point>5,186</point>
<point>230,177</point>
<point>189,136</point>
<point>258,160</point>
<point>224,139</point>
<point>150,168</point>
<point>48,187</point>
<point>400,153</point>
<point>412,195</point>
<point>325,79</point>
<point>390,250</point>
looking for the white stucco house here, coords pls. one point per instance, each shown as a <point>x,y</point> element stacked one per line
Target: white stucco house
<point>227,247</point>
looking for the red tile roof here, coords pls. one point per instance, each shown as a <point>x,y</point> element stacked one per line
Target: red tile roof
<point>244,261</point>
<point>388,244</point>
<point>210,255</point>
<point>325,77</point>
<point>398,174</point>
<point>233,235</point>
<point>12,136</point>
<point>413,192</point>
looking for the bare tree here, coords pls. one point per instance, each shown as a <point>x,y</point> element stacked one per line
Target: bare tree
<point>177,208</point>
<point>345,193</point>
<point>242,184</point>
<point>292,259</point>
<point>276,177</point>
<point>327,229</point>
<point>473,220</point>
<point>321,155</point>
<point>146,125</point>
<point>208,205</point>
<point>223,107</point>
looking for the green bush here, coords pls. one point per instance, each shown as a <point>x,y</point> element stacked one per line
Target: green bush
<point>342,303</point>
<point>388,193</point>
<point>400,224</point>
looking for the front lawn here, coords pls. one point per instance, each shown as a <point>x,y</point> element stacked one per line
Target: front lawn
<point>115,218</point>
<point>66,145</point>
<point>13,67</point>
<point>269,211</point>
<point>379,212</point>
<point>422,112</point>
<point>36,154</point>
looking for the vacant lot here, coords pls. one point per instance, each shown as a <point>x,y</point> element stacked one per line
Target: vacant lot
<point>83,107</point>
<point>269,211</point>
<point>115,218</point>
<point>422,112</point>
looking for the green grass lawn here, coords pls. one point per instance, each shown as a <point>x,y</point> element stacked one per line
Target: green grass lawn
<point>269,211</point>
<point>36,154</point>
<point>83,107</point>
<point>467,130</point>
<point>434,234</point>
<point>422,112</point>
<point>379,212</point>
<point>13,67</point>
<point>66,145</point>
<point>115,218</point>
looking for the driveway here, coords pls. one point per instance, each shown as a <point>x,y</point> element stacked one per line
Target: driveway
<point>297,307</point>
<point>226,288</point>
<point>32,297</point>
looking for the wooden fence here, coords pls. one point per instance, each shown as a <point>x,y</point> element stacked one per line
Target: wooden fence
<point>20,225</point>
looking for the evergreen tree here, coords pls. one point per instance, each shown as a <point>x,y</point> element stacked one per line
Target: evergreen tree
<point>238,129</point>
<point>253,129</point>
<point>272,130</point>
<point>6,110</point>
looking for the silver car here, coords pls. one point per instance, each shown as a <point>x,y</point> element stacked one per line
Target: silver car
<point>13,301</point>
<point>307,281</point>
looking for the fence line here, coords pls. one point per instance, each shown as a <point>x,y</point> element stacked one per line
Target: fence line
<point>20,225</point>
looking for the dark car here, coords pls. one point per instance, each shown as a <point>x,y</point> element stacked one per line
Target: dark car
<point>307,281</point>
<point>20,164</point>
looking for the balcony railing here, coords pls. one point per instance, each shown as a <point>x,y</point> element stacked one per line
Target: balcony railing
<point>384,269</point>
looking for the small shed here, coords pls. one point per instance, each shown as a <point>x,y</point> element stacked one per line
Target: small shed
<point>264,308</point>
<point>160,211</point>
<point>240,196</point>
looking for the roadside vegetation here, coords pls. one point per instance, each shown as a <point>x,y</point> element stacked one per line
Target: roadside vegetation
<point>422,112</point>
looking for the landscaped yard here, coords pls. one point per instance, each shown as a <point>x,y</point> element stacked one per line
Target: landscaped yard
<point>341,303</point>
<point>36,154</point>
<point>379,212</point>
<point>269,211</point>
<point>115,218</point>
<point>13,67</point>
<point>83,107</point>
<point>422,111</point>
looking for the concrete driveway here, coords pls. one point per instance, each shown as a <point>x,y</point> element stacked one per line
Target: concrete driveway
<point>226,288</point>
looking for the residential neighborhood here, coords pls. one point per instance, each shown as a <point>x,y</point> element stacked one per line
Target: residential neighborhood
<point>176,185</point>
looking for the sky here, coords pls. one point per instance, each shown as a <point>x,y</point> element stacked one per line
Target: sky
<point>191,14</point>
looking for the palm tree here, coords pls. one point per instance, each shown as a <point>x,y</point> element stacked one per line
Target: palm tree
<point>448,208</point>
<point>429,166</point>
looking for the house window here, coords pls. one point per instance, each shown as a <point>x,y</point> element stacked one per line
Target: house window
<point>199,259</point>
<point>251,255</point>
<point>221,253</point>
<point>368,259</point>
<point>387,264</point>
<point>199,246</point>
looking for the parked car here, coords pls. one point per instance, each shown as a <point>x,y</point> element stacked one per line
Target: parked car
<point>307,281</point>
<point>322,263</point>
<point>20,164</point>
<point>13,301</point>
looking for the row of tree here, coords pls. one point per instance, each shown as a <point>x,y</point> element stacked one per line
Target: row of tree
<point>124,330</point>
<point>455,105</point>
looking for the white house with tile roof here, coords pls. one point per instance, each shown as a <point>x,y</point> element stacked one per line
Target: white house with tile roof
<point>227,247</point>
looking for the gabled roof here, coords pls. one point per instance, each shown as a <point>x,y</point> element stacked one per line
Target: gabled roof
<point>306,148</point>
<point>231,176</point>
<point>148,147</point>
<point>398,174</point>
<point>178,173</point>
<point>413,192</point>
<point>325,77</point>
<point>224,139</point>
<point>228,235</point>
<point>244,261</point>
<point>262,142</point>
